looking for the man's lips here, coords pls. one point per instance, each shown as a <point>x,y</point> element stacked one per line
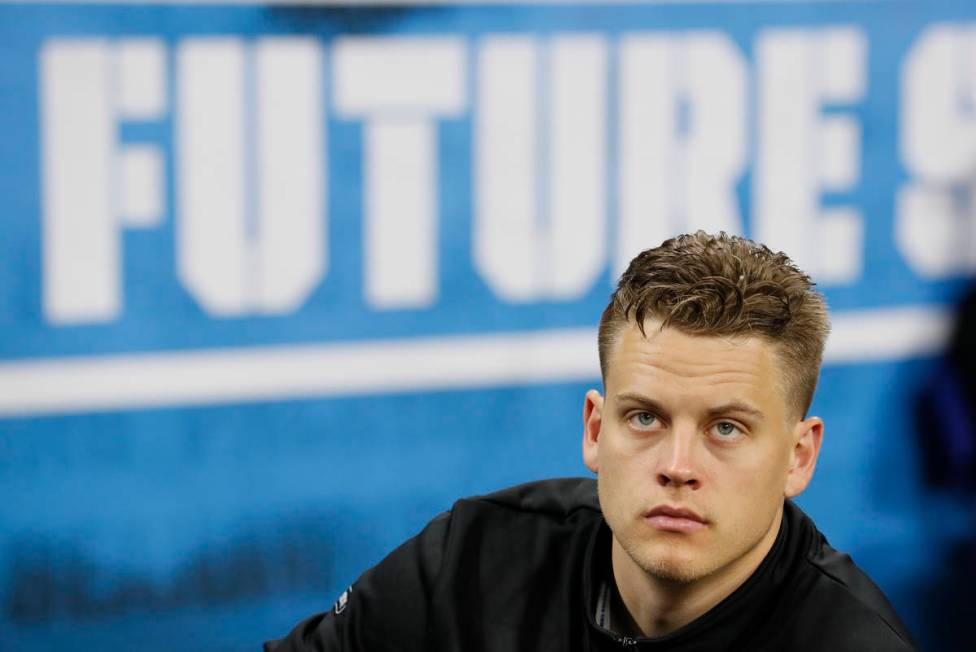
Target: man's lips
<point>674,519</point>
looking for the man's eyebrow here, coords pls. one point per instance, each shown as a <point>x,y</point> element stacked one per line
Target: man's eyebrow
<point>736,406</point>
<point>731,407</point>
<point>640,399</point>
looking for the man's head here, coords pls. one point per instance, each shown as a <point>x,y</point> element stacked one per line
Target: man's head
<point>710,351</point>
<point>725,286</point>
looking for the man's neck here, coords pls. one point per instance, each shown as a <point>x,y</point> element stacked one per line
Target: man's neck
<point>647,605</point>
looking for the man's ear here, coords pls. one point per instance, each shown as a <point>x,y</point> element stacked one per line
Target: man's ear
<point>807,436</point>
<point>592,421</point>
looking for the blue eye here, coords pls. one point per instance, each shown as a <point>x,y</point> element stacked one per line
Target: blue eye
<point>726,429</point>
<point>644,419</point>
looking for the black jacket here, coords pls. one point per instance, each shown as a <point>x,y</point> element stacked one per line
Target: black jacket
<point>519,570</point>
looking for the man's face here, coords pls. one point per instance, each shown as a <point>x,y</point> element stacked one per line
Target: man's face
<point>699,424</point>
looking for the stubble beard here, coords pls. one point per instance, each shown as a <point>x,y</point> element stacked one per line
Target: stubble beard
<point>675,569</point>
<point>664,568</point>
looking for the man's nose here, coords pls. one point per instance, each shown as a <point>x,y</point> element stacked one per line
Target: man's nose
<point>677,463</point>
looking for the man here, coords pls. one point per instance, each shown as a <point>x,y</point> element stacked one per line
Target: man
<point>710,351</point>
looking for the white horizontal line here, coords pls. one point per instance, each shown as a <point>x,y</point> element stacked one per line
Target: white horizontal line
<point>888,334</point>
<point>269,373</point>
<point>284,372</point>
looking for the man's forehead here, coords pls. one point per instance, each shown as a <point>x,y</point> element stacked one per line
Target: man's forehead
<point>734,368</point>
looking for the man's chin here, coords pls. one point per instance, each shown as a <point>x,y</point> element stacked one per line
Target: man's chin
<point>664,565</point>
<point>674,572</point>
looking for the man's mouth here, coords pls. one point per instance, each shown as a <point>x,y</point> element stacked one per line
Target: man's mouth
<point>675,519</point>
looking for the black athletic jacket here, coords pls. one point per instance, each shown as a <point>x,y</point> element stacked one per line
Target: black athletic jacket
<point>519,570</point>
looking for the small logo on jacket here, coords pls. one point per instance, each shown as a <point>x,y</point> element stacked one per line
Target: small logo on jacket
<point>343,600</point>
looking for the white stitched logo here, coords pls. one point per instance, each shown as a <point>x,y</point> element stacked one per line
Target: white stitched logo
<point>343,600</point>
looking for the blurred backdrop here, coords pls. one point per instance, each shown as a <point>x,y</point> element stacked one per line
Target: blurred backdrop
<point>278,283</point>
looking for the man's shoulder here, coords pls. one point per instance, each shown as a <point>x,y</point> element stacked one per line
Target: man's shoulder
<point>557,497</point>
<point>842,604</point>
<point>555,517</point>
<point>835,618</point>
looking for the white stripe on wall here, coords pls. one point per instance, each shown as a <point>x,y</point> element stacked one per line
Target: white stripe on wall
<point>889,334</point>
<point>269,373</point>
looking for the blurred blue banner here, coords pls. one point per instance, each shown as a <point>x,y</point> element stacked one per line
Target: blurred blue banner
<point>278,283</point>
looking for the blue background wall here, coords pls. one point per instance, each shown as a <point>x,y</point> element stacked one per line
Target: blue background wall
<point>218,520</point>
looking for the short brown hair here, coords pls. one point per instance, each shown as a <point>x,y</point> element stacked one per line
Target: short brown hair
<point>725,285</point>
